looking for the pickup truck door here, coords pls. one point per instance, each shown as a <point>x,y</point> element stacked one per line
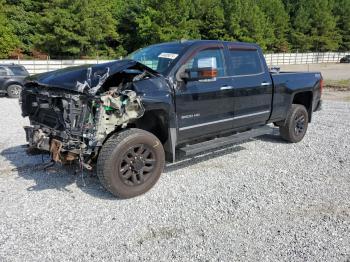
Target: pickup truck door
<point>252,85</point>
<point>205,107</point>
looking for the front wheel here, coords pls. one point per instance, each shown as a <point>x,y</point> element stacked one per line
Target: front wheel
<point>130,163</point>
<point>13,91</point>
<point>296,124</point>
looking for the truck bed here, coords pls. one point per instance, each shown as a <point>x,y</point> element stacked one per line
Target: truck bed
<point>286,83</point>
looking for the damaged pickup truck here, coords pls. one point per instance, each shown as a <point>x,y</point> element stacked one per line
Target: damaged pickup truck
<point>126,117</point>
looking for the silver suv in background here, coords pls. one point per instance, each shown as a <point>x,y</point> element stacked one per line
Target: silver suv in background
<point>11,79</point>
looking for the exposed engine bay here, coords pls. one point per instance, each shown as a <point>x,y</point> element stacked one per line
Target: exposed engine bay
<point>73,124</point>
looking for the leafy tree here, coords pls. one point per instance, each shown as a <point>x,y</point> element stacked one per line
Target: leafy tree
<point>300,34</point>
<point>8,40</point>
<point>278,20</point>
<point>24,17</point>
<point>232,12</point>
<point>77,28</point>
<point>210,19</point>
<point>166,20</point>
<point>314,26</point>
<point>113,28</point>
<point>254,25</point>
<point>342,11</point>
<point>126,14</point>
<point>324,33</point>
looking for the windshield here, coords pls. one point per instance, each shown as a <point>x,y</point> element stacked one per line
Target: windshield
<point>158,57</point>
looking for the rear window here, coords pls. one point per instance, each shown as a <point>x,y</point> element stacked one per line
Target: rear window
<point>18,71</point>
<point>245,62</point>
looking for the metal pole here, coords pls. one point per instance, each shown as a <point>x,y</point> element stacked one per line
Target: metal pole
<point>270,60</point>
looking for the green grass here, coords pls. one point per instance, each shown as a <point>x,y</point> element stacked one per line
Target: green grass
<point>340,85</point>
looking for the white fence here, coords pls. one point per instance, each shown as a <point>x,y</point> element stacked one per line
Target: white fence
<point>304,58</point>
<point>41,66</point>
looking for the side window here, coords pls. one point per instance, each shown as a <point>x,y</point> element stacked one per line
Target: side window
<point>3,71</point>
<point>245,62</point>
<point>213,58</point>
<point>18,71</point>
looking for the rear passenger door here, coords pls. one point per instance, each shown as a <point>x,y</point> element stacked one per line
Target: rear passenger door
<point>252,86</point>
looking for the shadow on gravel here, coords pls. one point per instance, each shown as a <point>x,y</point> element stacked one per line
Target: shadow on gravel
<point>59,177</point>
<point>275,139</point>
<point>183,162</point>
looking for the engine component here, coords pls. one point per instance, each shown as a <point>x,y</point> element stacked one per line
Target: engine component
<point>118,110</point>
<point>37,138</point>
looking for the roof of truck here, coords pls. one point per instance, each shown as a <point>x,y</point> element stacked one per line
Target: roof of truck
<point>197,42</point>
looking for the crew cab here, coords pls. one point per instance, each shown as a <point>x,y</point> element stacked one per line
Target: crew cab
<point>127,117</point>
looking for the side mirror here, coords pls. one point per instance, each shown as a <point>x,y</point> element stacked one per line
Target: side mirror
<point>184,75</point>
<point>195,74</point>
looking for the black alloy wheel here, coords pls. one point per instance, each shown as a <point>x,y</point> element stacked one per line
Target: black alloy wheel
<point>295,126</point>
<point>299,124</point>
<point>137,165</point>
<point>130,162</point>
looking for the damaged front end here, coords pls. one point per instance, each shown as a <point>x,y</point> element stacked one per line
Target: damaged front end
<point>71,121</point>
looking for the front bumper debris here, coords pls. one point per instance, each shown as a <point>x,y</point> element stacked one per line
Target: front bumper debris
<point>37,139</point>
<point>74,127</point>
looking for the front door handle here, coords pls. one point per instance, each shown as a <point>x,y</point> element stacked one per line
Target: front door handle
<point>265,83</point>
<point>226,87</point>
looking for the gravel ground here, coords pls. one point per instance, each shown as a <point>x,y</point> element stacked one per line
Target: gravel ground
<point>262,200</point>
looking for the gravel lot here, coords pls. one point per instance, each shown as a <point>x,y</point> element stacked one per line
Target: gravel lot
<point>262,200</point>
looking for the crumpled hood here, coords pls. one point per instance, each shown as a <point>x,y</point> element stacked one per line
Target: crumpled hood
<point>85,78</point>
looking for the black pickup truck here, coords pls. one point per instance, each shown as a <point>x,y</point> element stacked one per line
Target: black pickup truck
<point>126,117</point>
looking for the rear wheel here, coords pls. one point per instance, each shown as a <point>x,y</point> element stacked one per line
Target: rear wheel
<point>296,124</point>
<point>13,91</point>
<point>130,163</point>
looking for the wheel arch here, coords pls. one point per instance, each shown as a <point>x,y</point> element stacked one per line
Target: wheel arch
<point>304,98</point>
<point>10,83</point>
<point>155,121</point>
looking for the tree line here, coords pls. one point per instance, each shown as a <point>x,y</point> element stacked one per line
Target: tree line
<point>91,28</point>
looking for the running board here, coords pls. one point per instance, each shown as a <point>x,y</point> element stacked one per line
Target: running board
<point>228,140</point>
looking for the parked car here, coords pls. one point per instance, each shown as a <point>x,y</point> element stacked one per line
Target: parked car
<point>126,117</point>
<point>11,79</point>
<point>345,59</point>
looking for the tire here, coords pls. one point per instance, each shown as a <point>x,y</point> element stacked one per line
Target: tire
<point>13,91</point>
<point>130,163</point>
<point>296,124</point>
